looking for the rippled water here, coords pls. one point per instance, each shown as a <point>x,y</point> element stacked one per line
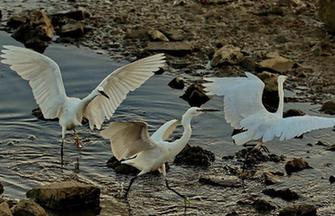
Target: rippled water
<point>30,148</point>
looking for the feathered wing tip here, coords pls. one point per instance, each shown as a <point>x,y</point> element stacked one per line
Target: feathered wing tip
<point>242,138</point>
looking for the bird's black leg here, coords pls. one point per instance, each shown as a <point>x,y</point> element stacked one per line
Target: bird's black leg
<point>128,188</point>
<point>77,139</point>
<point>179,194</point>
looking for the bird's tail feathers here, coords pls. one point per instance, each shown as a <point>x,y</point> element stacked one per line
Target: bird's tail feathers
<point>242,138</point>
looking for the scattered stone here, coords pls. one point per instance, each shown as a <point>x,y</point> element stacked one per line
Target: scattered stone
<point>223,181</point>
<point>271,178</point>
<point>195,95</point>
<point>277,64</point>
<point>78,14</point>
<point>66,195</point>
<point>194,156</point>
<point>320,143</point>
<point>332,179</point>
<point>74,30</point>
<point>227,55</point>
<point>28,208</point>
<point>176,48</point>
<point>135,34</point>
<point>293,112</point>
<point>252,157</point>
<point>16,21</point>
<point>285,194</point>
<point>5,209</point>
<point>156,35</point>
<point>177,83</point>
<point>233,213</point>
<point>175,34</point>
<point>296,165</point>
<point>299,210</point>
<point>1,188</point>
<point>263,205</point>
<point>274,10</point>
<point>121,168</point>
<point>328,107</point>
<point>327,14</point>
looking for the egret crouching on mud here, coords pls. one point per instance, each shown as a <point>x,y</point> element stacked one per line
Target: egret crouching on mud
<point>45,79</point>
<point>131,143</point>
<point>243,109</point>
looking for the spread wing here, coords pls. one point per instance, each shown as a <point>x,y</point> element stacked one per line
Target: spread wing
<point>288,128</point>
<point>128,138</point>
<point>242,96</point>
<point>118,84</point>
<point>166,130</point>
<point>43,75</point>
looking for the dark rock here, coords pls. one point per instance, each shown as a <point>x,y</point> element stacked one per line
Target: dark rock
<point>228,157</point>
<point>74,30</point>
<point>66,195</point>
<point>299,210</point>
<point>319,143</point>
<point>275,10</point>
<point>78,14</point>
<point>252,157</point>
<point>285,194</point>
<point>223,181</point>
<point>121,168</point>
<point>263,205</point>
<point>332,179</point>
<point>327,14</point>
<point>328,107</point>
<point>233,213</point>
<point>271,178</point>
<point>5,209</point>
<point>270,96</point>
<point>177,83</point>
<point>176,48</point>
<point>227,55</point>
<point>16,21</point>
<point>1,188</point>
<point>296,165</point>
<point>28,208</point>
<point>195,95</point>
<point>194,156</point>
<point>174,34</point>
<point>248,64</point>
<point>331,148</point>
<point>293,112</point>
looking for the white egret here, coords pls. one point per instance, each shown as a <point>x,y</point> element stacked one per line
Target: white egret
<point>45,79</point>
<point>131,143</point>
<point>243,109</point>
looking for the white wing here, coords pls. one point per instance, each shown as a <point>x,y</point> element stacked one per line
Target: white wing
<point>118,84</point>
<point>43,75</point>
<point>128,138</point>
<point>288,128</point>
<point>166,130</point>
<point>242,96</point>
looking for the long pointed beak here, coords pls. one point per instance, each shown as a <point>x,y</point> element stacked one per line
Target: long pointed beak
<point>209,110</point>
<point>104,94</point>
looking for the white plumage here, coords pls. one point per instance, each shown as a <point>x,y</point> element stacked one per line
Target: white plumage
<point>45,79</point>
<point>243,109</point>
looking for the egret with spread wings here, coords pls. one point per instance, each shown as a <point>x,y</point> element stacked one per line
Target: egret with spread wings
<point>243,109</point>
<point>45,79</point>
<point>131,143</point>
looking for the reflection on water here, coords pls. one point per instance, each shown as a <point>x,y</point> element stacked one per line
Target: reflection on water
<point>30,147</point>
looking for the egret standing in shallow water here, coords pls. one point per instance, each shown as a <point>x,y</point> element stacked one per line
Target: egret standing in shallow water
<point>243,109</point>
<point>45,79</point>
<point>131,143</point>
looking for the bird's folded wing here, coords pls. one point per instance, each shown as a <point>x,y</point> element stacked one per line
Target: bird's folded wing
<point>290,127</point>
<point>118,84</point>
<point>128,138</point>
<point>166,130</point>
<point>43,75</point>
<point>242,96</point>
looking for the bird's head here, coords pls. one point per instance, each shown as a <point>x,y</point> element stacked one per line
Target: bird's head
<point>196,111</point>
<point>102,92</point>
<point>281,78</point>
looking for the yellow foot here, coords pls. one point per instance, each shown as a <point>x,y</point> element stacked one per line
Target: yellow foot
<point>77,141</point>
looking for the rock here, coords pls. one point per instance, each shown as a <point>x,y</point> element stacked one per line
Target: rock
<point>194,156</point>
<point>174,34</point>
<point>263,205</point>
<point>134,34</point>
<point>252,157</point>
<point>296,165</point>
<point>74,30</point>
<point>285,194</point>
<point>177,83</point>
<point>248,64</point>
<point>1,188</point>
<point>5,209</point>
<point>331,148</point>
<point>233,213</point>
<point>331,179</point>
<point>293,112</point>
<point>227,55</point>
<point>299,210</point>
<point>327,14</point>
<point>223,181</point>
<point>274,10</point>
<point>176,48</point>
<point>270,178</point>
<point>195,96</point>
<point>328,107</point>
<point>16,21</point>
<point>66,195</point>
<point>121,168</point>
<point>277,64</point>
<point>78,14</point>
<point>270,96</point>
<point>28,208</point>
<point>156,35</point>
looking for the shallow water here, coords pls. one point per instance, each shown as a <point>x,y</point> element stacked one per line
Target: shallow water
<point>30,148</point>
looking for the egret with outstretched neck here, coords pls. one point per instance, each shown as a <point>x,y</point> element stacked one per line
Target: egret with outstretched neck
<point>45,79</point>
<point>132,145</point>
<point>244,109</point>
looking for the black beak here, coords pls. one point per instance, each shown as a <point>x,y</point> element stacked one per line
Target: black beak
<point>104,94</point>
<point>209,110</point>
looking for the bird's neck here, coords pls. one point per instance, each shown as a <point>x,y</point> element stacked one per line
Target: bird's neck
<point>86,100</point>
<point>280,109</point>
<point>179,144</point>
